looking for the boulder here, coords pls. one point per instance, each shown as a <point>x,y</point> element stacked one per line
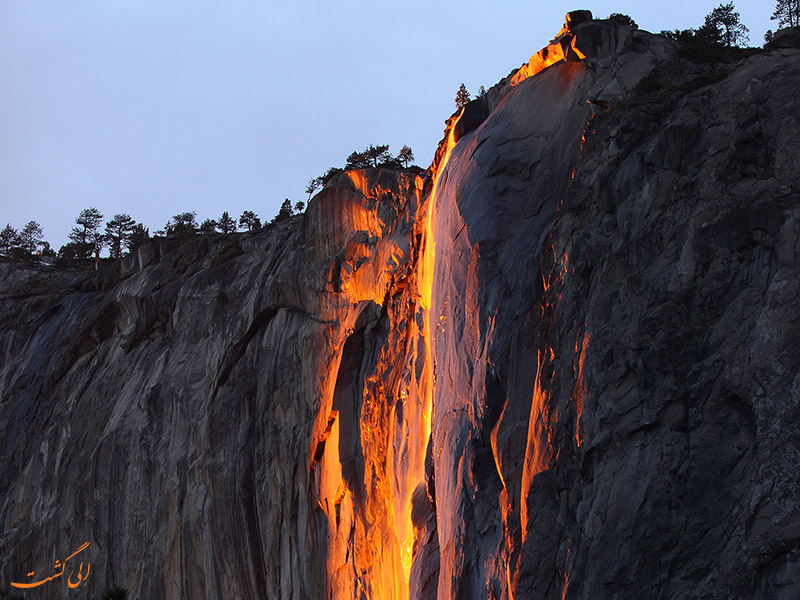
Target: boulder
<point>576,17</point>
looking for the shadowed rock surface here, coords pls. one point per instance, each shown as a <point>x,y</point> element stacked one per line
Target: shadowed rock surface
<point>606,332</point>
<point>789,37</point>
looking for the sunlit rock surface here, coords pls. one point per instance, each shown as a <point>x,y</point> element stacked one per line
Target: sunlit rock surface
<point>561,364</point>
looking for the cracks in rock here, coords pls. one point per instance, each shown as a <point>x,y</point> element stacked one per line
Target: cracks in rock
<point>511,140</point>
<point>253,529</point>
<point>238,349</point>
<point>463,227</point>
<point>103,327</point>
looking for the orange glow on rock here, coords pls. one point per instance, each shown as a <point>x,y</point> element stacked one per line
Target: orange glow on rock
<point>368,460</point>
<point>370,420</point>
<point>539,451</point>
<point>578,52</point>
<point>549,55</point>
<point>405,332</point>
<point>564,47</point>
<point>566,575</point>
<point>581,391</point>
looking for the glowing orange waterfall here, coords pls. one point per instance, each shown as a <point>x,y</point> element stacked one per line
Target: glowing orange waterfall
<point>419,422</point>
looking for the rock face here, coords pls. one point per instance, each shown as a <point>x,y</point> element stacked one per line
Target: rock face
<point>562,364</point>
<point>674,262</point>
<point>789,37</point>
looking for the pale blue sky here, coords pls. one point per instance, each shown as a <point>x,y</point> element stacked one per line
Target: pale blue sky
<point>154,107</point>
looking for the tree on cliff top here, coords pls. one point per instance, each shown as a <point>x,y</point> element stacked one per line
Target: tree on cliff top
<point>250,220</point>
<point>226,223</point>
<point>701,45</point>
<point>787,13</point>
<point>462,97</point>
<point>285,211</point>
<point>406,155</point>
<point>372,156</point>
<point>314,185</point>
<point>623,20</point>
<point>139,235</point>
<point>9,238</point>
<point>182,224</point>
<point>725,18</point>
<point>209,226</point>
<point>377,154</point>
<point>87,237</point>
<point>30,238</point>
<point>356,160</point>
<point>329,174</point>
<point>118,231</point>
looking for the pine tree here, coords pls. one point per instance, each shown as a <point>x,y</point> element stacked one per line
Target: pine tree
<point>371,157</point>
<point>406,155</point>
<point>30,238</point>
<point>182,224</point>
<point>377,154</point>
<point>285,211</point>
<point>462,97</point>
<point>787,13</point>
<point>330,174</point>
<point>9,238</point>
<point>98,241</point>
<point>139,235</point>
<point>299,206</point>
<point>313,186</point>
<point>226,223</point>
<point>118,230</point>
<point>356,160</point>
<point>726,20</point>
<point>250,220</point>
<point>209,226</point>
<point>86,238</point>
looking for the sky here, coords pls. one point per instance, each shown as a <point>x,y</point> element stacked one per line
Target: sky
<point>155,107</point>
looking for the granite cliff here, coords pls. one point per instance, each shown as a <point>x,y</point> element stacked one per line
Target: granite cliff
<point>560,364</point>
